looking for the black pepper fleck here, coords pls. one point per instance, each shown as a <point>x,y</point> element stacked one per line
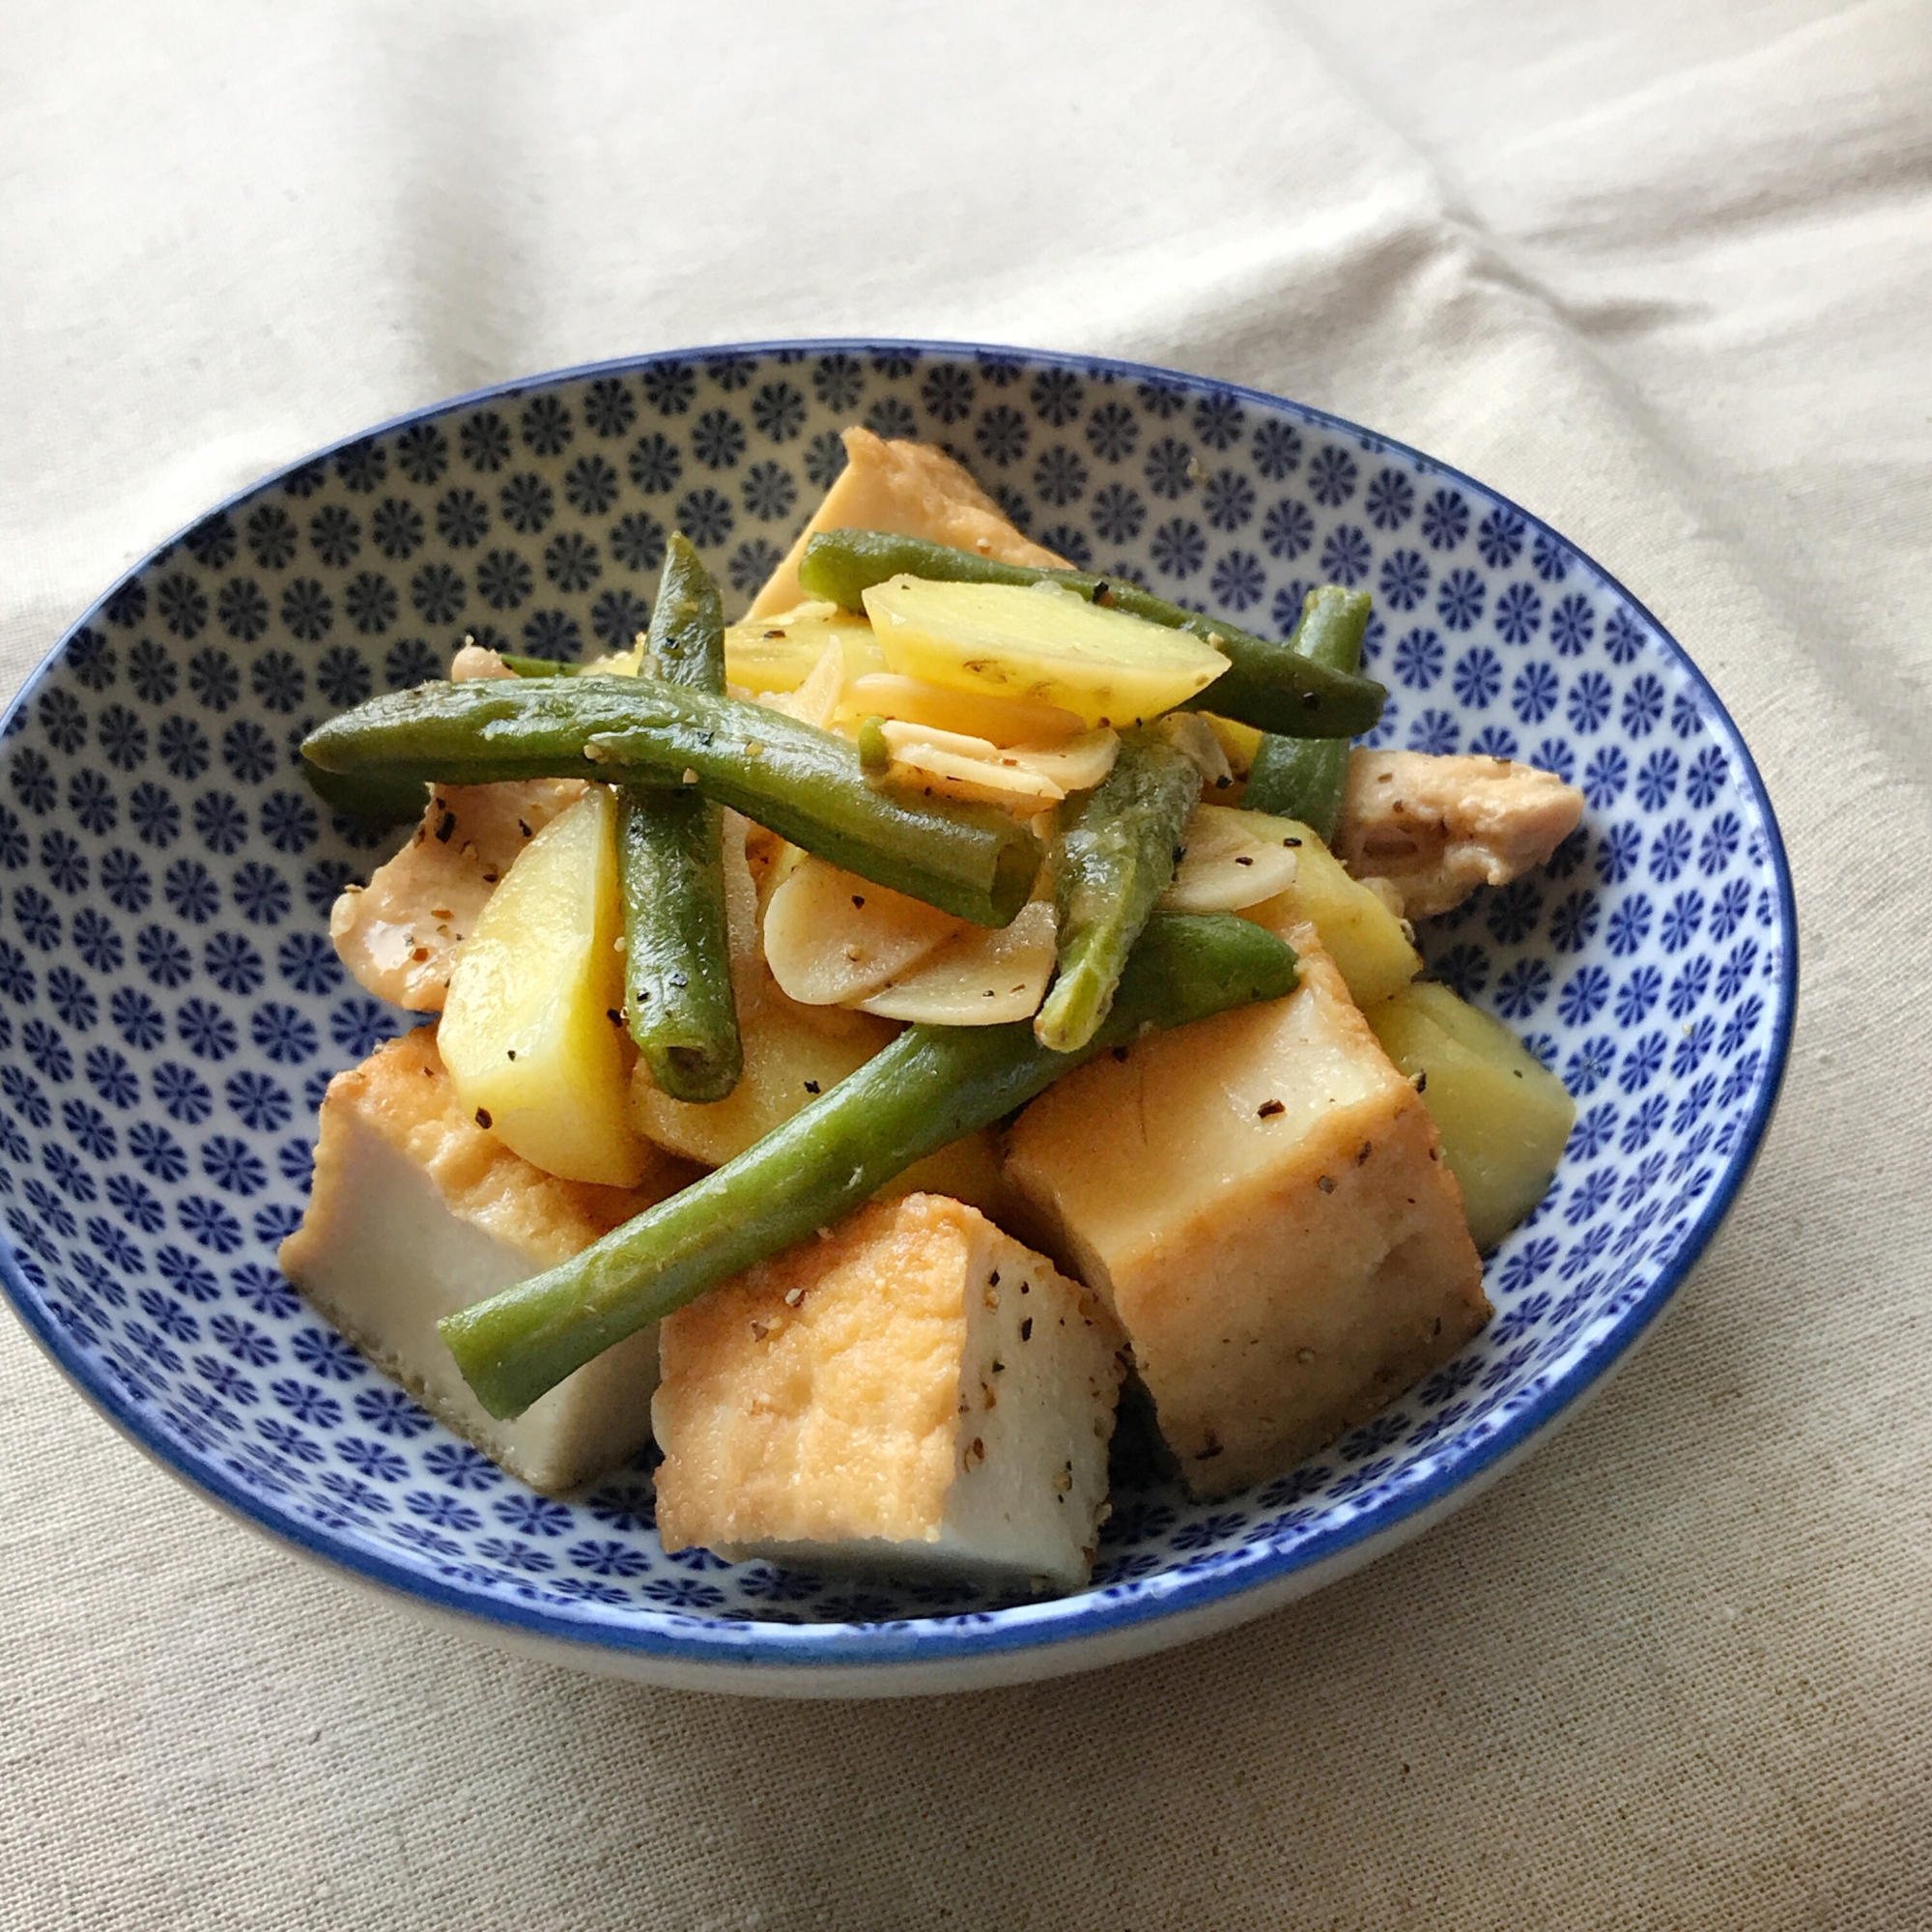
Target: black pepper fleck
<point>1269,1108</point>
<point>483,1118</point>
<point>812,1086</point>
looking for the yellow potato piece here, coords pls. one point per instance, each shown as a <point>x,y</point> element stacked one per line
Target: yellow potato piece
<point>778,653</point>
<point>792,1052</point>
<point>970,1170</point>
<point>1000,720</point>
<point>1504,1118</point>
<point>792,1055</point>
<point>1039,645</point>
<point>1365,939</point>
<point>1238,742</point>
<point>532,1031</point>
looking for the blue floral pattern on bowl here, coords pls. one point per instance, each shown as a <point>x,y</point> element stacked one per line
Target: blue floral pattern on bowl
<point>173,1008</point>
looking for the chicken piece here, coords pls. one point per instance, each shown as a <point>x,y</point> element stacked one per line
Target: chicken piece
<point>416,1212</point>
<point>912,490</point>
<point>399,934</point>
<point>1260,1199</point>
<point>1437,827</point>
<point>913,1392</point>
<point>474,661</point>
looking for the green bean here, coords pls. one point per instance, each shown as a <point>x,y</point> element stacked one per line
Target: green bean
<point>1266,685</point>
<point>670,864</point>
<point>377,802</point>
<point>929,1087</point>
<point>1112,857</point>
<point>973,861</point>
<point>875,753</point>
<point>540,666</point>
<point>1304,779</point>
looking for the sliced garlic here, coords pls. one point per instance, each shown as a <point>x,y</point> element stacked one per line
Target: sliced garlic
<point>980,978</point>
<point>815,702</point>
<point>1077,765</point>
<point>1023,778</point>
<point>832,938</point>
<point>1238,742</point>
<point>957,744</point>
<point>474,661</point>
<point>778,653</point>
<point>1230,861</point>
<point>929,761</point>
<point>1196,740</point>
<point>1000,720</point>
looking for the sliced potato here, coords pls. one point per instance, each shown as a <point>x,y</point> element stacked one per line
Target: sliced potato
<point>1000,720</point>
<point>980,978</point>
<point>832,938</point>
<point>970,1170</point>
<point>816,701</point>
<point>1368,941</point>
<point>792,1054</point>
<point>1232,859</point>
<point>532,1032</point>
<point>1504,1118</point>
<point>778,653</point>
<point>1040,644</point>
<point>1240,742</point>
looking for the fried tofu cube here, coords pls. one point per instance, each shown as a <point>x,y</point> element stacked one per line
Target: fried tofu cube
<point>1261,1199</point>
<point>912,1393</point>
<point>416,1212</point>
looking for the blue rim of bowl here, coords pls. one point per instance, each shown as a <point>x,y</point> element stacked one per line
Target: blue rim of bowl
<point>760,1647</point>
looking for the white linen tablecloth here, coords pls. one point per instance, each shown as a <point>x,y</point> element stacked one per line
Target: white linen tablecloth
<point>1662,273</point>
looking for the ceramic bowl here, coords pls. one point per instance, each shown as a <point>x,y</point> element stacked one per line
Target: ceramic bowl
<point>171,1009</point>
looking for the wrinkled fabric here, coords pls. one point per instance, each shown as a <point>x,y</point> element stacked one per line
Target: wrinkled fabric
<point>1661,273</point>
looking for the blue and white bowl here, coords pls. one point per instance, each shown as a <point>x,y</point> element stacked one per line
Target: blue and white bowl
<point>171,1007</point>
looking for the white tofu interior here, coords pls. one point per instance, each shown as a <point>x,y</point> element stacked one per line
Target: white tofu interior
<point>396,1259</point>
<point>418,1212</point>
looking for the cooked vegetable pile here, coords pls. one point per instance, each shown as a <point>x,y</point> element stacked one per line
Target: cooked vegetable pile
<point>1015,810</point>
<point>642,850</point>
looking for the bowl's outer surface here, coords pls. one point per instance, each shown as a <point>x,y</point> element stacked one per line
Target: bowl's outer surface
<point>171,1009</point>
